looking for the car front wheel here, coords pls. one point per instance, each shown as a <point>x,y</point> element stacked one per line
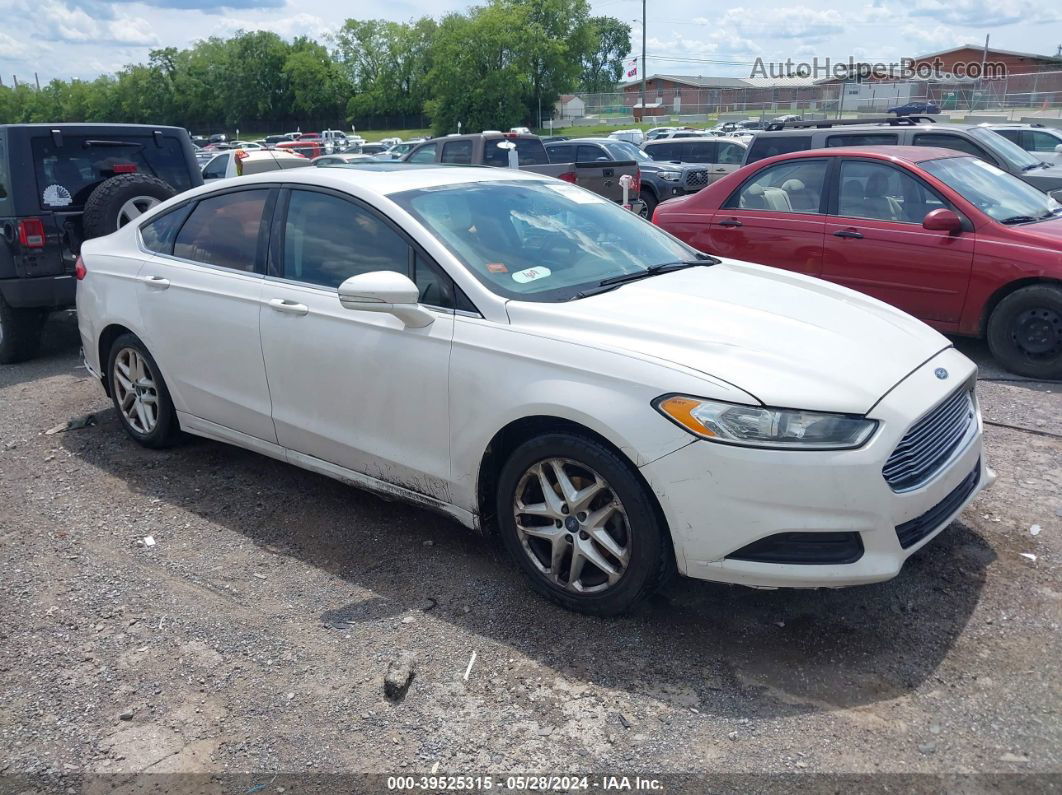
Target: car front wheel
<point>1025,331</point>
<point>581,525</point>
<point>140,395</point>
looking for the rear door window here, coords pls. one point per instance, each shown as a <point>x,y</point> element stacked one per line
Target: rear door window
<point>587,153</point>
<point>793,186</point>
<point>956,142</point>
<point>1042,142</point>
<point>530,151</point>
<point>561,153</point>
<point>663,151</point>
<point>216,168</point>
<point>223,230</point>
<point>771,145</point>
<point>67,174</point>
<point>459,152</point>
<point>862,139</point>
<point>730,154</point>
<point>698,151</point>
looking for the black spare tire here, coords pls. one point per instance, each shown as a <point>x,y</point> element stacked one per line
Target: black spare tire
<point>119,200</point>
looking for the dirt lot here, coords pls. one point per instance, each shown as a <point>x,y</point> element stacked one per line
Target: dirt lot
<point>255,633</point>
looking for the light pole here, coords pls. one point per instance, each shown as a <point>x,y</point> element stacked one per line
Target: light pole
<point>643,60</point>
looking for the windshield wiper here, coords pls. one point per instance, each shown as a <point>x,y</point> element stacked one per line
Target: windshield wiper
<point>1019,219</point>
<point>613,282</point>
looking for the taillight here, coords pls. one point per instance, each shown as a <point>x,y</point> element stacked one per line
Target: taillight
<point>636,183</point>
<point>124,168</point>
<point>31,233</point>
<point>568,176</point>
<point>80,271</point>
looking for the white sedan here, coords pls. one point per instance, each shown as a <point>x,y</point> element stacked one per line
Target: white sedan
<point>532,360</point>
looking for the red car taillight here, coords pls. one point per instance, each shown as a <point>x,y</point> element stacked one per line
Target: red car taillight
<point>80,271</point>
<point>636,183</point>
<point>568,176</point>
<point>31,233</point>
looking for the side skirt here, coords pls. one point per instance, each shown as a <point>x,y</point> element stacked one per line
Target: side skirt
<point>220,433</point>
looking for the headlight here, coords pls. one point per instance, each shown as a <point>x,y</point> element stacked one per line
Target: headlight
<point>670,176</point>
<point>756,426</point>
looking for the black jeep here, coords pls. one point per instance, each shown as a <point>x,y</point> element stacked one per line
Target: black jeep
<point>61,184</point>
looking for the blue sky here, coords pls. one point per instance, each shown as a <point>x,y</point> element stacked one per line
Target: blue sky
<point>84,38</point>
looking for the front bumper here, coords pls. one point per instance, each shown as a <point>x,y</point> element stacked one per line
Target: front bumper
<point>718,498</point>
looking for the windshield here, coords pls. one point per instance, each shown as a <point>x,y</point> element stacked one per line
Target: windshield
<point>621,150</point>
<point>996,193</point>
<point>539,241</point>
<point>1009,151</point>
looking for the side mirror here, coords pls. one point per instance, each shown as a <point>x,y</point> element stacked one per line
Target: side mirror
<point>1059,149</point>
<point>385,291</point>
<point>942,220</point>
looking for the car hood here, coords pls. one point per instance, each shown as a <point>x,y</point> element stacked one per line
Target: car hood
<point>1046,179</point>
<point>788,340</point>
<point>1042,233</point>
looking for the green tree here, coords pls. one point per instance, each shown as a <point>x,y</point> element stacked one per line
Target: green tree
<point>602,65</point>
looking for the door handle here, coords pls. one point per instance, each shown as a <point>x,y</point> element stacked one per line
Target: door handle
<point>849,233</point>
<point>288,307</point>
<point>731,222</point>
<point>157,282</point>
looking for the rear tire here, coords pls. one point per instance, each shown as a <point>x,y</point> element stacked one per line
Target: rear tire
<point>121,199</point>
<point>1025,331</point>
<point>622,544</point>
<point>20,332</point>
<point>140,395</point>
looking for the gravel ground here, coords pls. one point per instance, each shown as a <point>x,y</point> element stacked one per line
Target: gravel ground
<point>255,634</point>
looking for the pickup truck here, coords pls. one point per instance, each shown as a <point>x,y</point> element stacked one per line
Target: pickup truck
<point>529,154</point>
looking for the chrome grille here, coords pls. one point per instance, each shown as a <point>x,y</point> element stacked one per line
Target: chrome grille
<point>927,446</point>
<point>697,179</point>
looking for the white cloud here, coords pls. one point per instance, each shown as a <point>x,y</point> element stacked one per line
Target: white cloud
<point>56,21</point>
<point>288,26</point>
<point>987,13</point>
<point>794,22</point>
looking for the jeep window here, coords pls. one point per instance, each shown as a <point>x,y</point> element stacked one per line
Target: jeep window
<point>793,186</point>
<point>771,145</point>
<point>530,152</point>
<point>5,178</point>
<point>862,139</point>
<point>67,174</point>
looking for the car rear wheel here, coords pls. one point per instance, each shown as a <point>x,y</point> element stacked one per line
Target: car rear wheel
<point>20,332</point>
<point>1025,331</point>
<point>581,525</point>
<point>140,395</point>
<point>119,200</point>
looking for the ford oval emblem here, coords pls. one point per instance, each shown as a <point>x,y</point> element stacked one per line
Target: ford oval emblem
<point>940,373</point>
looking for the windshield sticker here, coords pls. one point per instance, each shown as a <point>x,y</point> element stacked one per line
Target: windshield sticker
<point>577,194</point>
<point>531,274</point>
<point>497,267</point>
<point>56,196</point>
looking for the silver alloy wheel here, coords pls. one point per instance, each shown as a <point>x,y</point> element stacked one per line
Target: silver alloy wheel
<point>572,525</point>
<point>134,208</point>
<point>134,386</point>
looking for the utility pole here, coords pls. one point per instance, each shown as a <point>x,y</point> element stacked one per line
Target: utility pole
<point>37,80</point>
<point>642,64</point>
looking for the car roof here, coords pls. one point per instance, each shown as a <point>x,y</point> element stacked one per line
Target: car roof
<point>384,178</point>
<point>696,138</point>
<point>907,154</point>
<point>842,128</point>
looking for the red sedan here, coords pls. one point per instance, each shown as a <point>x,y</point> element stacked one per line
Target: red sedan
<point>954,241</point>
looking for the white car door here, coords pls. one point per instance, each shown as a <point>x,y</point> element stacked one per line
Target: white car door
<point>200,305</point>
<point>356,389</point>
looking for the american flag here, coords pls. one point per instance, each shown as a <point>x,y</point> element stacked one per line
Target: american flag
<point>631,67</point>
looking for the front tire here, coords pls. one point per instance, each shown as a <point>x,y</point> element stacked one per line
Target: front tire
<point>140,395</point>
<point>581,525</point>
<point>20,332</point>
<point>1025,331</point>
<point>650,202</point>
